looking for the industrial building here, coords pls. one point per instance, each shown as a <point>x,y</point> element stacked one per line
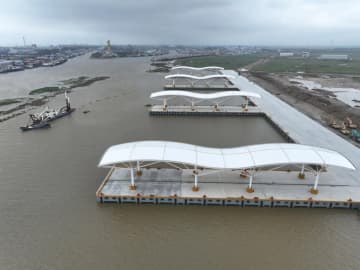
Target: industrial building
<point>334,57</point>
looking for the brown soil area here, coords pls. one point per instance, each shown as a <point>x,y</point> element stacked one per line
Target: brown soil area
<point>319,105</point>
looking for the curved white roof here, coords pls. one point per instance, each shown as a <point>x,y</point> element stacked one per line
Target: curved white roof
<point>197,68</point>
<point>253,156</point>
<point>207,77</point>
<point>215,95</point>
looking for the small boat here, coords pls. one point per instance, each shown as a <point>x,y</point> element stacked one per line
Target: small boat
<point>35,126</point>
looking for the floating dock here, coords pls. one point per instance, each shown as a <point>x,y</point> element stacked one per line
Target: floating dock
<point>337,188</point>
<point>207,110</point>
<point>171,186</point>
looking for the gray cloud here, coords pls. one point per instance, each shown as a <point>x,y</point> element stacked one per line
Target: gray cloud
<point>204,22</point>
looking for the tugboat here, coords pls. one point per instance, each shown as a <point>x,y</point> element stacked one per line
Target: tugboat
<point>41,120</point>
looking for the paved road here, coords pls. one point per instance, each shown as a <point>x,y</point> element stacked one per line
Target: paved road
<point>303,129</point>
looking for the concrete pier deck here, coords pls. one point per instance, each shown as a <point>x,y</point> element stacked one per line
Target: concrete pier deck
<point>204,109</point>
<point>272,189</point>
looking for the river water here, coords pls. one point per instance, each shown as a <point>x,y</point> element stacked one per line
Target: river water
<point>49,218</point>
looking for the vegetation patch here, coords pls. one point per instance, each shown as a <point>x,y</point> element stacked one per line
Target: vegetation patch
<point>5,102</point>
<point>225,61</point>
<point>48,89</point>
<point>310,65</point>
<point>68,85</point>
<point>86,81</point>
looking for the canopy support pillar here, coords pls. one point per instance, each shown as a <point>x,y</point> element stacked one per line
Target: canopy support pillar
<point>315,190</point>
<point>301,174</point>
<point>132,186</point>
<point>250,189</point>
<point>165,104</point>
<point>196,188</point>
<point>246,104</point>
<point>138,169</point>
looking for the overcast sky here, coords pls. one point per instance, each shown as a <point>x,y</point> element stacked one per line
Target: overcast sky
<point>199,22</point>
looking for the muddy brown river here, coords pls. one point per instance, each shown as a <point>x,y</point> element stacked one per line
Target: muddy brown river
<point>49,218</point>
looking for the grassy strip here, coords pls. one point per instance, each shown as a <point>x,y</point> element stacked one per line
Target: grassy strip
<point>4,102</point>
<point>225,61</point>
<point>84,81</point>
<point>74,80</point>
<point>276,65</point>
<point>48,89</point>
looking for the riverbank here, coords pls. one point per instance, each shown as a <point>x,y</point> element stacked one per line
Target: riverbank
<point>319,105</point>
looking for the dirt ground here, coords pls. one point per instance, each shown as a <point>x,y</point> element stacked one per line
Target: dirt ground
<point>319,105</point>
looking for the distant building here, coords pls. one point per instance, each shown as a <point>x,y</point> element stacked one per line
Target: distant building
<point>5,65</point>
<point>305,54</point>
<point>108,52</point>
<point>286,54</point>
<point>334,57</point>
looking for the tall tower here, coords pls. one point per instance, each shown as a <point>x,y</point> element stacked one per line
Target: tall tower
<point>108,47</point>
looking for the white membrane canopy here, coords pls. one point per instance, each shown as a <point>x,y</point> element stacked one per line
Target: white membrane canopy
<point>190,94</point>
<point>207,77</point>
<point>253,156</point>
<point>198,68</point>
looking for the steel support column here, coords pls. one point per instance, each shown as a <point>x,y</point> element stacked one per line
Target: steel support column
<point>302,172</point>
<point>250,189</point>
<point>315,190</point>
<point>132,186</point>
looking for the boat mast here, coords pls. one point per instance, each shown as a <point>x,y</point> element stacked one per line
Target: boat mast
<point>67,100</point>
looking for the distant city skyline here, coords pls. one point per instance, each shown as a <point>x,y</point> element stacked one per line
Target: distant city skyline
<point>304,23</point>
